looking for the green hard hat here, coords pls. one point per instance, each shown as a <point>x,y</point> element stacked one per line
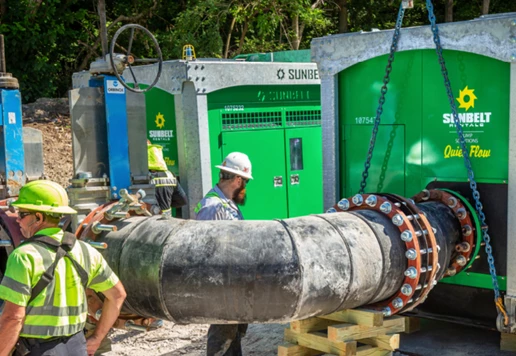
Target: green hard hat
<point>44,196</point>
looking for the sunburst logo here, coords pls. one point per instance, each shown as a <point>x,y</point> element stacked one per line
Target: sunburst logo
<point>160,121</point>
<point>466,93</point>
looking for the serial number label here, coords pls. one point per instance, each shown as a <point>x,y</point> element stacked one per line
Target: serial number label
<point>234,107</point>
<point>364,120</point>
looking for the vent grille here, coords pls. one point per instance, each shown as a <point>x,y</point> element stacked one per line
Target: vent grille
<point>303,117</point>
<point>251,120</point>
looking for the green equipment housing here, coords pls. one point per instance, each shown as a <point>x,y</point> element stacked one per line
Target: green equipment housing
<point>201,110</point>
<point>417,145</point>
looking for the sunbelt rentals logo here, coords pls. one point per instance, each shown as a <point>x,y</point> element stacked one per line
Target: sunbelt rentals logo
<point>466,100</point>
<point>160,134</point>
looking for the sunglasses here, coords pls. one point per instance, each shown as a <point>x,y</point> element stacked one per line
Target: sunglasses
<point>22,215</point>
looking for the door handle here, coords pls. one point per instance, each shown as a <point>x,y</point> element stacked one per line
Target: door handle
<point>294,179</point>
<point>278,181</point>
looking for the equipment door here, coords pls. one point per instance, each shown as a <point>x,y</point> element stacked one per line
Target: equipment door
<point>304,170</point>
<point>267,192</point>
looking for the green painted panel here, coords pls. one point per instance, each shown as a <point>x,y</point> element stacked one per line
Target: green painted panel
<point>477,280</point>
<point>304,171</point>
<point>299,56</point>
<point>266,151</point>
<point>481,92</point>
<point>161,125</point>
<point>387,171</point>
<point>359,88</point>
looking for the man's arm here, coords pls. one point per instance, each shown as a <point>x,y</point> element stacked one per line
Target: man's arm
<point>11,323</point>
<point>110,310</point>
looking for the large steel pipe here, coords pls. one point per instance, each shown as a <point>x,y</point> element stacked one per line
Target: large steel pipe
<point>264,271</point>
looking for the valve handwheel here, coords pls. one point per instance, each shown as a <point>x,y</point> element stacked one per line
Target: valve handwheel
<point>129,59</point>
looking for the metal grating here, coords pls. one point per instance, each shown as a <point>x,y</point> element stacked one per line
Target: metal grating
<point>303,117</point>
<point>251,120</point>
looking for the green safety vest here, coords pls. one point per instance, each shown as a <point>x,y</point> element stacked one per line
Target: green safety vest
<point>211,195</point>
<point>61,308</point>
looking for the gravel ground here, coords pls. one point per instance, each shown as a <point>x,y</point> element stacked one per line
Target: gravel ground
<point>435,338</point>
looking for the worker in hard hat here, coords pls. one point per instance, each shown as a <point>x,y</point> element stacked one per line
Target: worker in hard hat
<point>45,280</point>
<point>221,203</point>
<point>169,193</point>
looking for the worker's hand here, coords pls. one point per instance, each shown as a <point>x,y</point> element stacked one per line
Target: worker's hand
<point>92,344</point>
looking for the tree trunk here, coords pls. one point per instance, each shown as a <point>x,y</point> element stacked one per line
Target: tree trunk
<point>296,40</point>
<point>343,16</point>
<point>448,11</point>
<point>228,40</point>
<point>3,7</point>
<point>485,7</point>
<point>242,37</point>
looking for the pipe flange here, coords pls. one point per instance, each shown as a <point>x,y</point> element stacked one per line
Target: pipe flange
<point>468,247</point>
<point>430,250</point>
<point>96,216</point>
<point>408,234</point>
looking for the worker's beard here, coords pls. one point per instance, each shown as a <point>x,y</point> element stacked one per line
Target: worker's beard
<point>239,196</point>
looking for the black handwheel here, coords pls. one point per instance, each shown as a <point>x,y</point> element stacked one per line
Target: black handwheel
<point>128,60</point>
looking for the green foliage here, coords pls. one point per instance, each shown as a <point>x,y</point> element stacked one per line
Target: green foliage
<point>48,40</point>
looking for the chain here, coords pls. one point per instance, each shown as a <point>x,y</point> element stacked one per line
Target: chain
<point>467,161</point>
<point>381,101</point>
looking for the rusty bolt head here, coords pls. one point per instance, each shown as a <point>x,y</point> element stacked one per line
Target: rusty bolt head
<point>452,202</point>
<point>386,208</point>
<point>358,199</point>
<point>451,271</point>
<point>426,194</point>
<point>411,254</point>
<point>397,220</point>
<point>461,260</point>
<point>411,272</point>
<point>397,303</point>
<point>467,230</point>
<point>406,289</point>
<point>406,236</point>
<point>343,204</point>
<point>371,201</point>
<point>461,213</point>
<point>462,247</point>
<point>331,210</point>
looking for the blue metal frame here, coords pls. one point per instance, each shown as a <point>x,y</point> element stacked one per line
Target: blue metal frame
<point>12,155</point>
<point>117,133</point>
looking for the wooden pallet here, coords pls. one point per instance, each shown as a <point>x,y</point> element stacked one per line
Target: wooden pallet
<point>353,332</point>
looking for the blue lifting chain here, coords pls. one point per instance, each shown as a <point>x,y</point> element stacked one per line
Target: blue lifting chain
<point>460,134</point>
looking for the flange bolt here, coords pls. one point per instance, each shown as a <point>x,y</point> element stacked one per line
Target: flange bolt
<point>386,208</point>
<point>397,220</point>
<point>343,204</point>
<point>411,254</point>
<point>461,260</point>
<point>406,289</point>
<point>411,272</point>
<point>331,210</point>
<point>406,236</point>
<point>358,200</point>
<point>371,201</point>
<point>397,303</point>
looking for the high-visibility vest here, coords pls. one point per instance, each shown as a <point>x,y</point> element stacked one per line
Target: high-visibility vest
<point>61,308</point>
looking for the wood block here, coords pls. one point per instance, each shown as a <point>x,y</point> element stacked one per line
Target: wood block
<point>347,332</point>
<point>412,324</point>
<point>372,351</point>
<point>386,342</point>
<point>363,317</point>
<point>296,350</point>
<point>311,324</point>
<point>319,341</point>
<point>508,342</point>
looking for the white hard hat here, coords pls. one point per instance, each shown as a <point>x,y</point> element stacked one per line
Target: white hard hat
<point>237,163</point>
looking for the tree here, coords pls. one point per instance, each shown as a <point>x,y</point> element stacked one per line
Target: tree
<point>448,11</point>
<point>343,16</point>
